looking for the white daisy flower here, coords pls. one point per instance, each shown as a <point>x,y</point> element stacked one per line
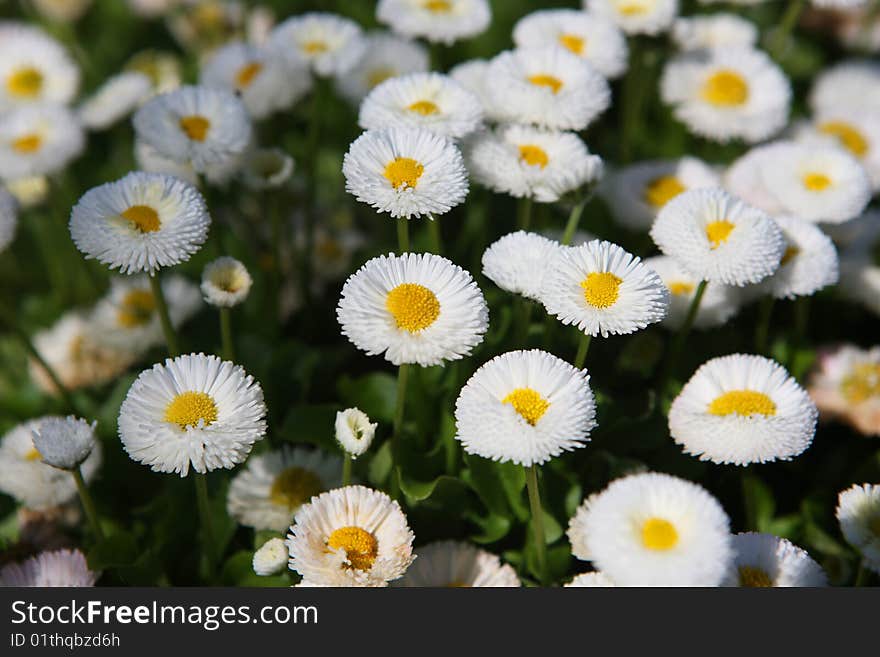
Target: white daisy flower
<point>654,529</point>
<point>387,56</point>
<point>529,162</point>
<point>150,160</point>
<point>38,140</point>
<point>858,512</point>
<point>354,431</point>
<point>140,223</point>
<point>546,86</point>
<point>114,100</point>
<point>30,191</point>
<point>745,178</point>
<point>226,282</point>
<point>602,289</point>
<point>351,536</point>
<point>8,218</point>
<point>742,409</point>
<point>430,101</point>
<point>162,67</point>
<point>718,304</point>
<point>266,168</point>
<point>808,264</point>
<point>274,485</point>
<point>64,442</point>
<point>518,262</point>
<point>710,31</point>
<point>472,76</point>
<point>60,568</point>
<point>525,407</point>
<point>327,43</point>
<point>263,80</point>
<point>591,37</point>
<point>852,83</point>
<point>856,130</point>
<point>25,477</point>
<point>636,16</point>
<point>437,21</point>
<point>718,238</point>
<point>452,564</point>
<point>271,558</point>
<point>728,93</point>
<point>591,580</point>
<point>816,182</point>
<point>846,385</point>
<point>194,410</point>
<point>405,172</point>
<point>637,192</point>
<point>34,69</point>
<point>413,308</point>
<point>839,4</point>
<point>201,126</point>
<point>764,560</point>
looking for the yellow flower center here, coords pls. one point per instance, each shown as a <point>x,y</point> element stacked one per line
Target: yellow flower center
<point>543,80</point>
<point>661,190</point>
<point>247,73</point>
<point>815,181</point>
<point>228,279</point>
<point>601,289</point>
<point>572,42</point>
<point>403,172</point>
<point>294,486</point>
<point>659,534</point>
<point>142,217</point>
<point>27,143</point>
<point>725,88</point>
<point>360,546</point>
<point>33,454</point>
<point>742,402</point>
<point>751,577</point>
<point>379,75</point>
<point>438,6</point>
<point>853,140</point>
<point>25,82</point>
<point>679,288</point>
<point>528,403</point>
<point>136,308</point>
<point>862,383</point>
<point>315,47</point>
<point>188,408</point>
<point>717,232</point>
<point>533,155</point>
<point>424,107</point>
<point>790,253</point>
<point>196,127</point>
<point>413,306</point>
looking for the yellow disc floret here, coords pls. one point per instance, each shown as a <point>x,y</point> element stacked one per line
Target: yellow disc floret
<point>659,534</point>
<point>136,308</point>
<point>360,546</point>
<point>725,88</point>
<point>27,143</point>
<point>862,383</point>
<point>188,409</point>
<point>142,217</point>
<point>543,80</point>
<point>413,307</point>
<point>679,288</point>
<point>816,182</point>
<point>196,127</point>
<point>572,42</point>
<point>403,172</point>
<point>247,73</point>
<point>742,402</point>
<point>661,190</point>
<point>25,83</point>
<point>853,140</point>
<point>601,289</point>
<point>294,486</point>
<point>751,577</point>
<point>533,155</point>
<point>424,107</point>
<point>717,232</point>
<point>528,403</point>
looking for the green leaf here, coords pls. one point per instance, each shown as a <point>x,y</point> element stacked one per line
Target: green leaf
<point>416,491</point>
<point>380,465</point>
<point>483,476</point>
<point>759,503</point>
<point>375,394</point>
<point>493,527</point>
<point>312,424</point>
<point>115,551</point>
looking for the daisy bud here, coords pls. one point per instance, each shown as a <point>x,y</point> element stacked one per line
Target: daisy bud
<point>266,168</point>
<point>271,558</point>
<point>354,431</point>
<point>64,442</point>
<point>226,282</point>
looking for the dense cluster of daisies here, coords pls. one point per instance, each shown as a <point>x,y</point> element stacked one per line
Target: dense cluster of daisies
<point>786,219</point>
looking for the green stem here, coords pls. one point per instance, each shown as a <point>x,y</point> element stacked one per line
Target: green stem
<point>524,213</point>
<point>164,318</point>
<point>863,575</point>
<point>633,92</point>
<point>208,544</point>
<point>681,336</point>
<point>572,225</point>
<point>403,235</point>
<point>583,347</point>
<point>762,328</point>
<point>537,521</point>
<point>402,376</point>
<point>346,469</point>
<point>434,239</point>
<point>787,23</point>
<point>226,334</point>
<point>87,503</point>
<point>522,317</point>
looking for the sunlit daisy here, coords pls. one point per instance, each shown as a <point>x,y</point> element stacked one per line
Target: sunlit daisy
<point>431,101</point>
<point>405,172</point>
<point>529,162</point>
<point>194,410</point>
<point>655,530</point>
<point>34,68</point>
<point>225,282</point>
<point>858,512</point>
<point>714,31</point>
<point>114,100</point>
<point>518,262</point>
<point>764,560</point>
<point>589,36</point>
<point>263,80</point>
<point>387,56</point>
<point>745,178</point>
<point>451,564</point>
<point>329,44</point>
<point>637,192</point>
<point>718,304</point>
<point>808,264</point>
<point>200,126</point>
<point>24,476</point>
<point>846,386</point>
<point>437,21</point>
<point>140,223</point>
<point>266,168</point>
<point>273,485</point>
<point>8,218</point>
<point>64,442</point>
<point>271,558</point>
<point>547,86</point>
<point>354,431</point>
<point>718,238</point>
<point>38,140</point>
<point>413,308</point>
<point>856,130</point>
<point>727,93</point>
<point>351,536</point>
<point>636,16</point>
<point>742,409</point>
<point>851,83</point>
<point>602,289</point>
<point>525,407</point>
<point>60,568</point>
